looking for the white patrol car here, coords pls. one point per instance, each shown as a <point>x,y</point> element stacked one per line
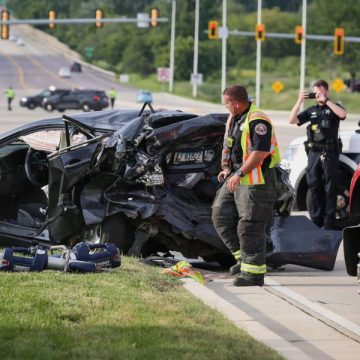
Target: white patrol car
<point>295,162</point>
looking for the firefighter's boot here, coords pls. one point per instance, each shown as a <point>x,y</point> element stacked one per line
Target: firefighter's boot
<point>241,281</point>
<point>235,269</point>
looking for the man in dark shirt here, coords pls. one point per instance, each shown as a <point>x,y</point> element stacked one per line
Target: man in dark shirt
<point>323,147</point>
<point>244,204</point>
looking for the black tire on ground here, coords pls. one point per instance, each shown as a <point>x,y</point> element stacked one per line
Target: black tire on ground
<point>31,106</point>
<point>115,230</point>
<point>343,217</point>
<point>49,107</point>
<point>86,107</point>
<point>351,249</point>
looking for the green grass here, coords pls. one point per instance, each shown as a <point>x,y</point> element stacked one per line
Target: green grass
<point>134,312</point>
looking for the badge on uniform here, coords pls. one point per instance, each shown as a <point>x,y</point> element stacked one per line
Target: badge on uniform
<point>229,141</point>
<point>261,129</point>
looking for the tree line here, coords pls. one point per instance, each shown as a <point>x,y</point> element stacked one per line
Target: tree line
<point>124,48</point>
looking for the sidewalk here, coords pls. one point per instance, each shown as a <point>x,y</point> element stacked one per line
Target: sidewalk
<point>281,320</point>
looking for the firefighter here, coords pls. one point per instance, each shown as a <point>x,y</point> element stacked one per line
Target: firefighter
<point>243,205</point>
<point>323,147</point>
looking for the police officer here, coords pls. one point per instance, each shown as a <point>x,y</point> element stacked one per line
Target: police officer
<point>244,203</point>
<point>322,146</point>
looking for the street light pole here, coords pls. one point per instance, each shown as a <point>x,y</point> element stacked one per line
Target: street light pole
<point>258,57</point>
<point>172,46</point>
<point>196,48</point>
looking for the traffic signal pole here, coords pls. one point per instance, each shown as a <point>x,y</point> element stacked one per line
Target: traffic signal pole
<point>258,58</point>
<point>224,36</point>
<point>196,47</point>
<point>303,50</point>
<point>172,46</point>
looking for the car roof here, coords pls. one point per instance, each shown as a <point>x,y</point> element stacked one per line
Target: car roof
<point>114,120</point>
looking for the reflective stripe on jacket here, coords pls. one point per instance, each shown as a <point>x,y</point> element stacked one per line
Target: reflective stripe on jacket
<point>255,176</point>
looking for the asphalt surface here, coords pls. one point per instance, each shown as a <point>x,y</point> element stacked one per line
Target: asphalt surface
<point>302,313</point>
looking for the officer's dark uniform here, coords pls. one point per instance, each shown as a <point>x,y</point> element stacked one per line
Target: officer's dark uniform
<point>323,147</point>
<point>245,213</point>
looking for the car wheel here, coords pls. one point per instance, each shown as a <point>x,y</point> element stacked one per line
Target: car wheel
<point>112,230</point>
<point>49,107</point>
<point>342,214</point>
<point>86,107</point>
<point>31,106</point>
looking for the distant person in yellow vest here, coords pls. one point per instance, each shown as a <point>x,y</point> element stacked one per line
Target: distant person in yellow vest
<point>112,96</point>
<point>243,205</point>
<point>10,95</point>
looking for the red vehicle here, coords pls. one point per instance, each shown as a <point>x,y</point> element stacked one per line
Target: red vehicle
<point>351,234</point>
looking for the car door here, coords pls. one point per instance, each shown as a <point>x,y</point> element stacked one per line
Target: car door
<point>68,100</point>
<point>67,170</point>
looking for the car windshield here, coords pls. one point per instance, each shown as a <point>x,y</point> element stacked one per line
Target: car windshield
<point>45,93</point>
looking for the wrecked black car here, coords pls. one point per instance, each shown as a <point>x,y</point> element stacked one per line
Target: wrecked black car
<point>142,180</point>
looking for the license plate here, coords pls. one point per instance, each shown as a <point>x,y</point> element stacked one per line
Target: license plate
<point>188,157</point>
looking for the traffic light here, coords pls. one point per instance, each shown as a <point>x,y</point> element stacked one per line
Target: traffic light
<point>52,16</point>
<point>154,14</point>
<point>213,30</point>
<point>260,32</point>
<point>339,44</point>
<point>5,16</point>
<point>99,14</point>
<point>299,34</point>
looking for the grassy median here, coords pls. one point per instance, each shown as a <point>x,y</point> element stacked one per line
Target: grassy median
<point>134,312</point>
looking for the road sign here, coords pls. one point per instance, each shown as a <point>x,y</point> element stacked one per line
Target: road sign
<point>278,86</point>
<point>338,85</point>
<point>196,79</point>
<point>89,52</point>
<point>124,78</point>
<point>143,20</point>
<point>163,74</point>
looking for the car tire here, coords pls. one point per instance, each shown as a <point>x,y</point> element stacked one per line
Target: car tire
<point>49,107</point>
<point>113,229</point>
<point>86,107</point>
<point>343,217</point>
<point>31,106</point>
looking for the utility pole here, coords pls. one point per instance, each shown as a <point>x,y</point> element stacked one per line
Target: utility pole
<point>196,48</point>
<point>172,46</point>
<point>224,35</point>
<point>258,58</point>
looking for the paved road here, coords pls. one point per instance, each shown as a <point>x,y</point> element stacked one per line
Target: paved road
<point>301,312</point>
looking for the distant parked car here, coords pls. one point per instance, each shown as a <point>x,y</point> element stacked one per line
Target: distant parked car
<point>77,99</point>
<point>295,161</point>
<point>31,102</point>
<point>144,96</point>
<point>75,67</point>
<point>64,72</point>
